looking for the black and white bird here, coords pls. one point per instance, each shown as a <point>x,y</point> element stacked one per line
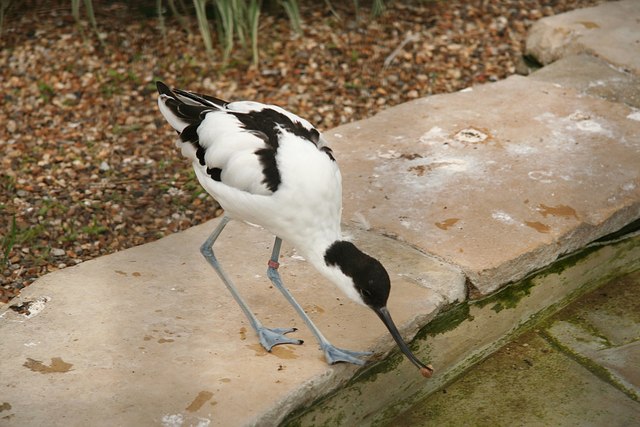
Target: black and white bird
<point>267,166</point>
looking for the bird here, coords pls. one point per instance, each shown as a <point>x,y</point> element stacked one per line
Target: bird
<point>267,166</point>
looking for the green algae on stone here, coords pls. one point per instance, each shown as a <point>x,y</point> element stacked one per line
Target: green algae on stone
<point>509,296</point>
<point>445,321</point>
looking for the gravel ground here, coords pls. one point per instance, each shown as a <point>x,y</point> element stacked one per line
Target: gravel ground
<point>88,166</point>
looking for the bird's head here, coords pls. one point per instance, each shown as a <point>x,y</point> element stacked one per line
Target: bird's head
<point>371,282</point>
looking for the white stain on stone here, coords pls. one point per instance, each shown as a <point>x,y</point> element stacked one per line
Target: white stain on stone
<point>545,117</point>
<point>521,149</point>
<point>453,165</point>
<point>406,224</point>
<point>203,422</point>
<point>172,420</point>
<point>634,116</point>
<point>390,154</point>
<point>541,176</point>
<point>361,221</point>
<point>586,123</point>
<point>629,186</point>
<point>434,135</point>
<point>503,217</point>
<point>564,128</point>
<point>589,126</point>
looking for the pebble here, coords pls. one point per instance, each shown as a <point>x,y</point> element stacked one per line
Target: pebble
<point>12,126</point>
<point>58,252</point>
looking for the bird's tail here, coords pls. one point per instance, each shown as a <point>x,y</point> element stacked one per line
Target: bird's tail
<point>183,109</point>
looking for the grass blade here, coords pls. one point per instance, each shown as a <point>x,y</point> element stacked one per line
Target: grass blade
<point>377,7</point>
<point>203,24</point>
<point>254,18</point>
<point>163,29</point>
<point>226,27</point>
<point>4,6</point>
<point>8,241</point>
<point>293,12</point>
<point>88,4</point>
<point>75,9</point>
<point>178,15</point>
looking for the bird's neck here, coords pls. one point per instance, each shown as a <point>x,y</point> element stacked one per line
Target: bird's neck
<point>317,257</point>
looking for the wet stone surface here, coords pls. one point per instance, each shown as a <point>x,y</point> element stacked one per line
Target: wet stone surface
<point>579,368</point>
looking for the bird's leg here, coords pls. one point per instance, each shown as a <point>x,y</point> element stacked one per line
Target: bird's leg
<point>268,337</point>
<point>332,353</point>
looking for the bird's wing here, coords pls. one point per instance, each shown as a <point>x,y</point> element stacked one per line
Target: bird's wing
<point>234,143</point>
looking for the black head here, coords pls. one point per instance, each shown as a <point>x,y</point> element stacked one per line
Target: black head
<point>370,278</point>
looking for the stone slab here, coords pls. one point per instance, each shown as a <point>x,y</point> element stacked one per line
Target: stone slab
<point>500,179</point>
<point>610,31</point>
<point>526,383</point>
<point>604,327</point>
<point>150,336</point>
<point>592,76</point>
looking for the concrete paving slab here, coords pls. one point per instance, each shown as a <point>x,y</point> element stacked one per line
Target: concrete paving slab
<point>622,362</point>
<point>604,328</point>
<point>610,31</point>
<point>500,179</point>
<point>612,312</point>
<point>150,336</point>
<point>593,76</point>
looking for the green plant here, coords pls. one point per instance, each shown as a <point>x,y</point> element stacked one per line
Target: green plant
<point>377,7</point>
<point>4,6</point>
<point>70,235</point>
<point>8,241</point>
<point>233,20</point>
<point>203,24</point>
<point>88,5</point>
<point>253,19</point>
<point>46,91</point>
<point>8,183</point>
<point>238,20</point>
<point>174,11</point>
<point>94,229</point>
<point>293,12</point>
<point>29,234</point>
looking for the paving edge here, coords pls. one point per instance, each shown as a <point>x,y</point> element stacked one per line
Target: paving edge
<point>467,333</point>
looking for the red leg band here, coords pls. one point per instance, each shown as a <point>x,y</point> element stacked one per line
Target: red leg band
<point>273,264</point>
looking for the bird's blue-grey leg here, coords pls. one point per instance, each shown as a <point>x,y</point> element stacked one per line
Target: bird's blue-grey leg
<point>332,353</point>
<point>269,337</point>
